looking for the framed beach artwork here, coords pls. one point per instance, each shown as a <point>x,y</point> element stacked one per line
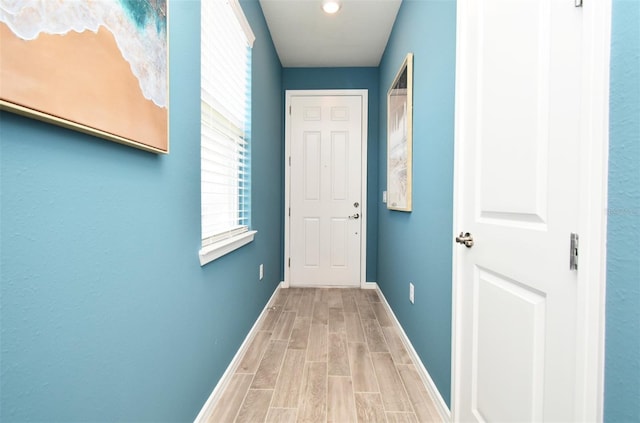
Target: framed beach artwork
<point>400,138</point>
<point>98,67</point>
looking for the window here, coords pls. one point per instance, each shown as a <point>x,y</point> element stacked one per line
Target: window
<point>226,41</point>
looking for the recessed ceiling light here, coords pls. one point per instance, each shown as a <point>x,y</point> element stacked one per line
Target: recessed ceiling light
<point>330,6</point>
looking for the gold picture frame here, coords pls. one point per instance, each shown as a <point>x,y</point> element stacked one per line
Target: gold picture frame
<point>99,68</point>
<point>400,138</point>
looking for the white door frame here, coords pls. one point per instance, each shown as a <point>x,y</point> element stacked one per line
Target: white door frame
<point>364,94</point>
<point>592,223</point>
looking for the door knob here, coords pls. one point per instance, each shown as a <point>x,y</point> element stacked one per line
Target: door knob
<point>355,216</point>
<point>465,238</point>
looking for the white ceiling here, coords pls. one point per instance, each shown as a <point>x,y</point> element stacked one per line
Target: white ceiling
<point>305,36</point>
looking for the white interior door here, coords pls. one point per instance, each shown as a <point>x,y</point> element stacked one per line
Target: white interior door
<point>326,205</point>
<point>517,178</point>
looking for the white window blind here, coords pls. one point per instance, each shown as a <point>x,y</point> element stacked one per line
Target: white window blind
<point>226,41</point>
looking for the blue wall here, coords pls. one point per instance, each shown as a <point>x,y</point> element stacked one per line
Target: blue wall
<point>351,79</point>
<point>106,312</point>
<point>622,368</point>
<point>417,246</point>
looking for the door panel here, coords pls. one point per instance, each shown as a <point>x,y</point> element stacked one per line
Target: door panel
<point>518,38</point>
<point>339,243</point>
<point>325,189</point>
<point>311,168</point>
<point>339,166</point>
<point>311,242</point>
<point>517,196</point>
<point>513,370</point>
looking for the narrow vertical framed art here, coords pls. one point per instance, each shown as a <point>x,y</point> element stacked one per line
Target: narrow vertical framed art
<point>98,67</point>
<point>400,138</point>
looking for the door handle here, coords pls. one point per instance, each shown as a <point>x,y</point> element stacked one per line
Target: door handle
<point>355,216</point>
<point>466,239</point>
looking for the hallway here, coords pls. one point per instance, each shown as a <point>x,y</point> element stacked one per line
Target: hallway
<point>325,355</point>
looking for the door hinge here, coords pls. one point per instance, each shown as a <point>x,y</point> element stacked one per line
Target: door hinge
<point>289,264</point>
<point>578,3</point>
<point>573,252</point>
<point>289,211</point>
<point>289,160</point>
<point>290,106</point>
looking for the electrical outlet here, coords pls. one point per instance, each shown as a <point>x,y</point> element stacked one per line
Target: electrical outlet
<point>261,271</point>
<point>411,292</point>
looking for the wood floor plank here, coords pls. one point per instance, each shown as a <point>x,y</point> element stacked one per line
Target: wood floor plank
<point>394,397</point>
<point>271,318</point>
<point>366,311</point>
<point>322,295</point>
<point>348,301</point>
<point>353,327</point>
<point>338,355</point>
<point>269,367</point>
<point>226,408</point>
<point>282,415</point>
<point>336,320</point>
<point>255,406</point>
<point>362,373</point>
<point>287,390</point>
<point>396,346</point>
<point>372,295</point>
<point>317,346</point>
<point>283,328</point>
<point>381,313</point>
<point>360,295</point>
<point>305,306</point>
<point>313,401</point>
<point>320,312</point>
<point>334,298</point>
<point>369,408</point>
<point>253,355</point>
<point>280,298</point>
<point>374,336</point>
<point>421,400</point>
<point>341,405</point>
<point>300,333</point>
<point>293,301</point>
<point>397,417</point>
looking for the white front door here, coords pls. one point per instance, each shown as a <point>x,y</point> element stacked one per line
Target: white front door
<point>326,211</point>
<point>518,142</point>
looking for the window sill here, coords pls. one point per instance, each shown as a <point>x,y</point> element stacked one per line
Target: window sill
<point>214,251</point>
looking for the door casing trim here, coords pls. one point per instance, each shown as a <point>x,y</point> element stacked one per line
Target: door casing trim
<point>592,225</point>
<point>364,95</point>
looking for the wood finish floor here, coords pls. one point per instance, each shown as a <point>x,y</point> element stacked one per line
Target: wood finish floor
<point>325,355</point>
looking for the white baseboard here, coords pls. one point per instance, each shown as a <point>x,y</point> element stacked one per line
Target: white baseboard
<point>369,285</point>
<point>441,406</point>
<point>231,369</point>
